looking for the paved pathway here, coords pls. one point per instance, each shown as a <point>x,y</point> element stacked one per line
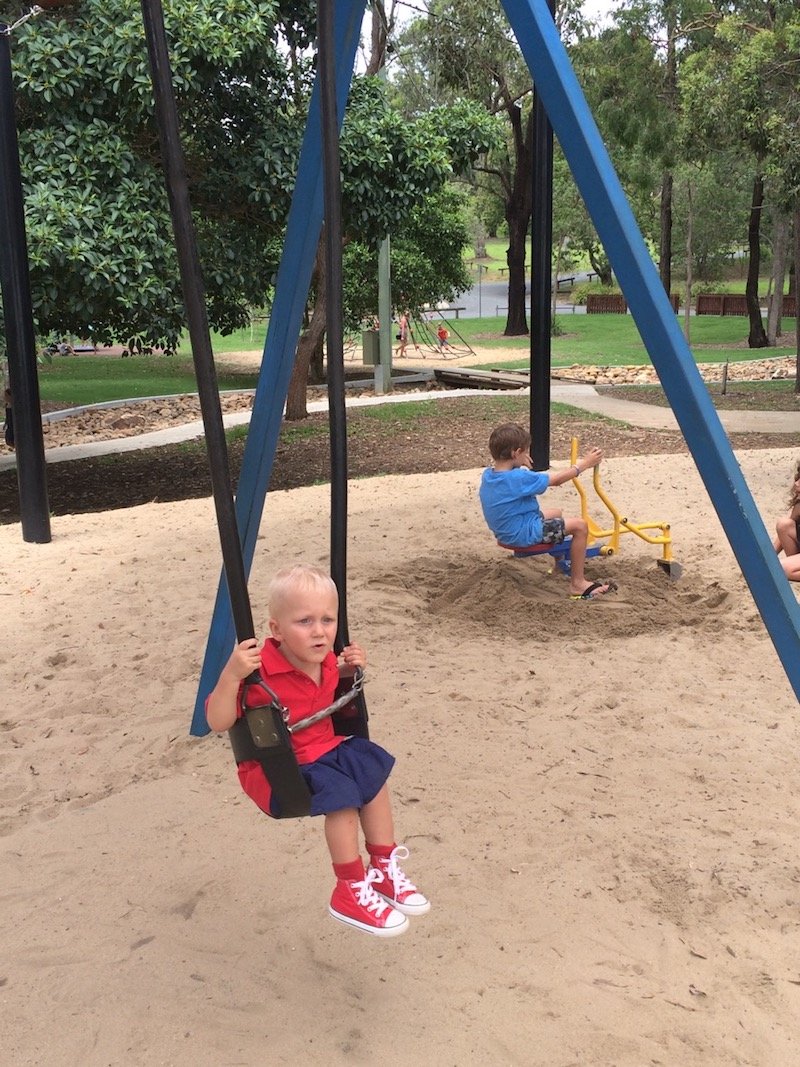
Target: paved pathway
<point>652,417</point>
<point>586,397</point>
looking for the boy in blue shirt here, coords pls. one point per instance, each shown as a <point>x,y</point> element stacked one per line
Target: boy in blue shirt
<point>509,494</point>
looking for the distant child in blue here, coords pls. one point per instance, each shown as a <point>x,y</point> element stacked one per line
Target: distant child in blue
<point>509,493</point>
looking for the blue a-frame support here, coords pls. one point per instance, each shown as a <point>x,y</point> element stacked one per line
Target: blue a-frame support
<point>594,175</point>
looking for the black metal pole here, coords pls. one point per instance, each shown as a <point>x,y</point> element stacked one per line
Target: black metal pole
<point>194,301</point>
<point>34,508</point>
<point>541,282</point>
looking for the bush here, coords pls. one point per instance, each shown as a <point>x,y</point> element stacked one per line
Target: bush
<point>708,287</point>
<point>580,292</point>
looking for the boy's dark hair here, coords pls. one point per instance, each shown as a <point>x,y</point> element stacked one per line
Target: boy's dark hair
<point>506,438</point>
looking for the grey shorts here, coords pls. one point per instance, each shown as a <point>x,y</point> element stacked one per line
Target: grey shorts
<point>553,531</point>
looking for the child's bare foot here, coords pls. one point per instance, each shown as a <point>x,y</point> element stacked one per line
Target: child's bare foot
<point>593,590</point>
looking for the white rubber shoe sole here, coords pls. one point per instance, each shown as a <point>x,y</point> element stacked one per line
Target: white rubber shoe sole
<point>377,931</point>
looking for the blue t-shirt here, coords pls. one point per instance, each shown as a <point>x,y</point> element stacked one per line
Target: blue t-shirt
<point>509,503</point>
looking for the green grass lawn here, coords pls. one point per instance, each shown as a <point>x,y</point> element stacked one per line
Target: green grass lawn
<point>614,341</point>
<point>77,380</point>
<point>610,340</point>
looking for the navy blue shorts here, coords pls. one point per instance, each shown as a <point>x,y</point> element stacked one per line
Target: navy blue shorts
<point>349,776</point>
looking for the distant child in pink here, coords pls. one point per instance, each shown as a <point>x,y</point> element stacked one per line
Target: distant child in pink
<point>787,529</point>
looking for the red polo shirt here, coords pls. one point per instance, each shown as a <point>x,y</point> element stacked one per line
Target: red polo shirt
<point>302,696</point>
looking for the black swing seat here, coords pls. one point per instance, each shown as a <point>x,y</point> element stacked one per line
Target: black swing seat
<point>262,734</point>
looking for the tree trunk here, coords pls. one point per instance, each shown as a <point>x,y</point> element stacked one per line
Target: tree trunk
<point>796,222</point>
<point>780,241</point>
<point>671,97</point>
<point>517,320</point>
<point>600,266</point>
<point>382,26</point>
<point>665,246</point>
<point>316,367</point>
<point>310,341</point>
<point>518,216</point>
<point>479,237</point>
<point>757,338</point>
<point>687,311</point>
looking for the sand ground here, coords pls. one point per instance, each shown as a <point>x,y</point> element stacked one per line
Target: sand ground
<point>600,799</point>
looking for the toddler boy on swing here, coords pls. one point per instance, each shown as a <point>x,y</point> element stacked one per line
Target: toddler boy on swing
<point>346,776</point>
<point>509,493</point>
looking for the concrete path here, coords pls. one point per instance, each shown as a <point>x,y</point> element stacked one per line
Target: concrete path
<point>652,417</point>
<point>585,397</point>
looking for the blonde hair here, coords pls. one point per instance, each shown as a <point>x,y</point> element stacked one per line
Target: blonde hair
<point>303,577</point>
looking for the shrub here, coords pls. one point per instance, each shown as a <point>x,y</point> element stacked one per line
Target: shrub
<point>580,292</point>
<point>709,287</point>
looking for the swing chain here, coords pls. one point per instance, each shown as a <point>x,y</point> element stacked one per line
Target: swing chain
<point>341,702</point>
<point>34,11</point>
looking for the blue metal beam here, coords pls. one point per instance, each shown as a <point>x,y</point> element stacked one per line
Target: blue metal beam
<point>291,291</point>
<point>596,179</point>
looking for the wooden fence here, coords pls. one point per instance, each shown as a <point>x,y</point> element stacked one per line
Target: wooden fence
<point>616,304</point>
<point>733,304</point>
<point>606,304</point>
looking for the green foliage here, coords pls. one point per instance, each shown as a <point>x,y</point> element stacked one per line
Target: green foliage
<point>99,232</point>
<point>395,180</point>
<point>709,287</point>
<point>584,289</point>
<point>720,188</point>
<point>390,163</point>
<point>427,261</point>
<point>741,90</point>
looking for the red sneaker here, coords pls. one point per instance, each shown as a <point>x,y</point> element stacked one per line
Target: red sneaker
<point>357,904</point>
<point>393,885</point>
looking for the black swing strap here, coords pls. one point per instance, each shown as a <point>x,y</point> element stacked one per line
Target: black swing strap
<point>262,735</point>
<point>255,729</point>
<point>278,761</point>
<point>332,199</point>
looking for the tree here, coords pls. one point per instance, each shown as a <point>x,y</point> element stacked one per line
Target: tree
<point>427,258</point>
<point>466,47</point>
<point>719,189</point>
<point>618,70</point>
<point>742,90</point>
<point>100,241</point>
<point>394,170</point>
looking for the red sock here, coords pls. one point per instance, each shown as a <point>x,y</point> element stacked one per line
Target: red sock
<point>382,852</point>
<point>349,872</point>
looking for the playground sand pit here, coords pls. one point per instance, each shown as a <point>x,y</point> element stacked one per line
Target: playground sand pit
<point>600,799</point>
